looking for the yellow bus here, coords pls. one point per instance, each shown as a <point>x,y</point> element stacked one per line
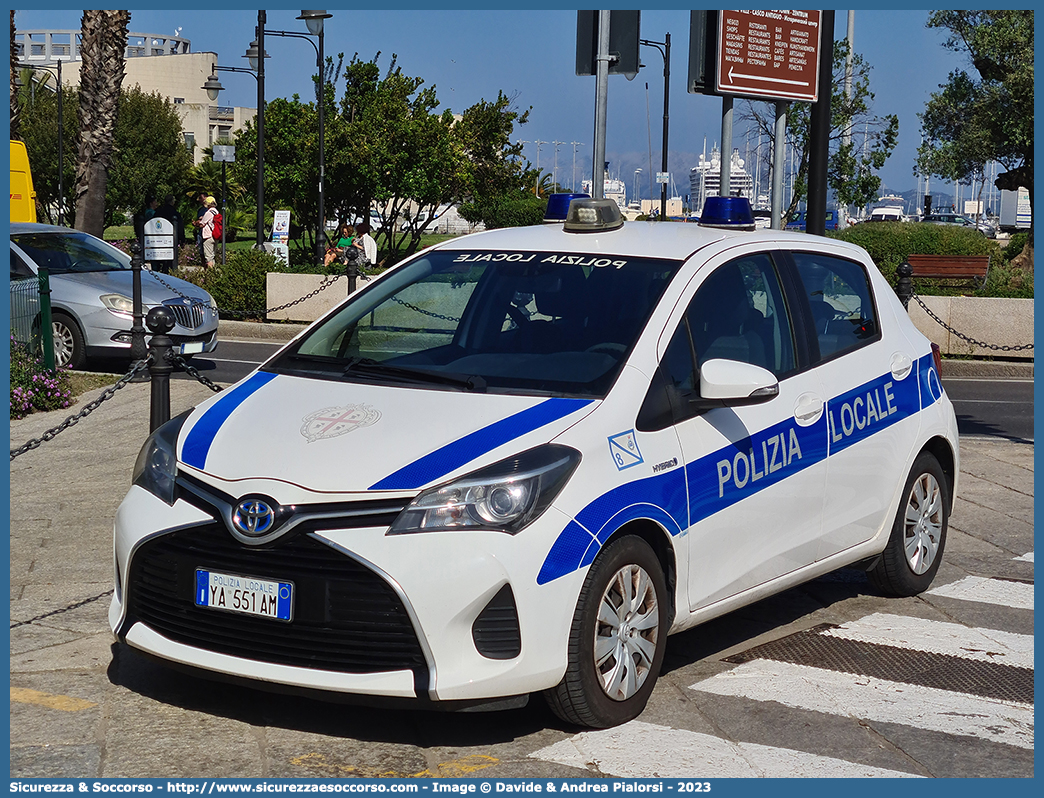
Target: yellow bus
<point>23,197</point>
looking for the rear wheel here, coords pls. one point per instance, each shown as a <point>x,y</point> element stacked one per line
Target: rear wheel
<point>911,558</point>
<point>617,640</point>
<point>69,348</point>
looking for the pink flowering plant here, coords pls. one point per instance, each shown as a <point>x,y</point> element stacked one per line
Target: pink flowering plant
<point>33,387</point>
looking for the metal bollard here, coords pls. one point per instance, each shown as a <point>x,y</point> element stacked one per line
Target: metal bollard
<point>46,324</point>
<point>352,272</point>
<point>137,331</point>
<point>160,321</point>
<point>904,288</point>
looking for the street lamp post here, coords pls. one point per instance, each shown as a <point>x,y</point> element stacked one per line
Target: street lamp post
<point>554,174</point>
<point>314,20</point>
<point>61,133</point>
<point>213,87</point>
<point>572,182</point>
<point>536,188</point>
<point>256,56</point>
<point>665,50</point>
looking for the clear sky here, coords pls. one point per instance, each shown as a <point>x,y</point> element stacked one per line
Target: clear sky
<point>470,54</point>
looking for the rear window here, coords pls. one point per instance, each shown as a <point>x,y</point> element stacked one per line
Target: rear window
<point>526,322</point>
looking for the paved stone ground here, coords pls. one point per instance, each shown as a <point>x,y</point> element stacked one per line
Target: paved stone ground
<point>82,707</point>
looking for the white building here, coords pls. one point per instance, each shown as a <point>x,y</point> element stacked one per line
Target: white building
<point>161,64</point>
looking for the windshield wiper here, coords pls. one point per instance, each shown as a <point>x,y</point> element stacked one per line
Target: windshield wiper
<point>368,367</point>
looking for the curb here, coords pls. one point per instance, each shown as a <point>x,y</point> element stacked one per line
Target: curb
<point>258,331</point>
<point>995,369</point>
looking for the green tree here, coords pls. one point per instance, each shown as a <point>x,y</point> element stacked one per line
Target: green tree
<point>492,162</point>
<point>149,154</point>
<point>37,102</point>
<point>291,158</point>
<point>975,120</point>
<point>148,149</point>
<point>388,146</point>
<point>853,164</point>
<point>102,45</point>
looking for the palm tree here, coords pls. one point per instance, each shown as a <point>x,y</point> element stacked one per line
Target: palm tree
<point>15,106</point>
<point>104,40</point>
<point>548,186</point>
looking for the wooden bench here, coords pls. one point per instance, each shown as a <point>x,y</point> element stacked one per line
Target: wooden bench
<point>971,269</point>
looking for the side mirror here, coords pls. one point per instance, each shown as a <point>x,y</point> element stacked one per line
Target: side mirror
<point>730,382</point>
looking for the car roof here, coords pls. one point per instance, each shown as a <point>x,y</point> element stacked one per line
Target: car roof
<point>34,227</point>
<point>670,240</point>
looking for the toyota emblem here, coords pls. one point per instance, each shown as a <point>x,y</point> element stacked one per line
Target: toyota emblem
<point>253,517</point>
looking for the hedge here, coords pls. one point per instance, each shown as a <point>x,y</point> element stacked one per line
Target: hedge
<point>890,243</point>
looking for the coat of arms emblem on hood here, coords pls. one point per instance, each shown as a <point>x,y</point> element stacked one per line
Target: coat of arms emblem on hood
<point>331,422</point>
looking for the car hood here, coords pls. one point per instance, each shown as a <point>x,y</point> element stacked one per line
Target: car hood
<point>122,282</point>
<point>339,437</point>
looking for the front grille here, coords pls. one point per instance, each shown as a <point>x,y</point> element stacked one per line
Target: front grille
<point>188,316</point>
<point>346,618</point>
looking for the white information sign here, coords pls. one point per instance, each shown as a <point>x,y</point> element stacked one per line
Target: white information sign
<point>159,239</point>
<point>224,153</point>
<point>281,227</point>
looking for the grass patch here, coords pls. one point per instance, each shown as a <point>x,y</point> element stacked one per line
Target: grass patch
<point>80,382</point>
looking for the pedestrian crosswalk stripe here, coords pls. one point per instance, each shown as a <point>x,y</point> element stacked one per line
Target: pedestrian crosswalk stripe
<point>874,699</point>
<point>939,637</point>
<point>645,750</point>
<point>1025,557</point>
<point>988,591</point>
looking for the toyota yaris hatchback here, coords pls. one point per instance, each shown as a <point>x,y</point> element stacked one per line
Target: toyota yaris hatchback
<point>520,460</point>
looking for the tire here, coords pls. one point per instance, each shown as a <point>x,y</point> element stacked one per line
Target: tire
<point>610,677</point>
<point>915,548</point>
<point>69,348</point>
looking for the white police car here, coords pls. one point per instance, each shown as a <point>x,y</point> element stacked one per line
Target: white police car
<point>521,459</point>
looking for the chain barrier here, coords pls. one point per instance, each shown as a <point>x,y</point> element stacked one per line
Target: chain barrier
<point>328,280</point>
<point>434,315</point>
<point>192,371</point>
<point>74,606</point>
<point>963,337</point>
<point>107,394</point>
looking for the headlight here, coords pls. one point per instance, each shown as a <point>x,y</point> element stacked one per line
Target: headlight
<point>505,497</point>
<point>118,303</point>
<point>157,463</point>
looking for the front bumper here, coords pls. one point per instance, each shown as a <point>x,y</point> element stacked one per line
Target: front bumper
<point>441,617</point>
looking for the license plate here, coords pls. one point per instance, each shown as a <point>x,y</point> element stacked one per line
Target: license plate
<point>192,348</point>
<point>244,594</point>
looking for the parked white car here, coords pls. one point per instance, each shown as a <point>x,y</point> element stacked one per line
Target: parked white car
<point>518,461</point>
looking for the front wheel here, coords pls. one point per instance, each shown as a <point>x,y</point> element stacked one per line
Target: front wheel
<point>69,348</point>
<point>617,640</point>
<point>911,558</point>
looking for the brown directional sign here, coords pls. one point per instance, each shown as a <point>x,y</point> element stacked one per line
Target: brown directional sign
<point>771,55</point>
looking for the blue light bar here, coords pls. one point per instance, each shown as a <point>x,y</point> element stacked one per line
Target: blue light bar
<point>558,206</point>
<point>731,213</point>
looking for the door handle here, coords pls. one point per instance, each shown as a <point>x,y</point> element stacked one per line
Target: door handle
<point>808,409</point>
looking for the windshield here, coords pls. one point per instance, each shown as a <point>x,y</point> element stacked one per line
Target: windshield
<point>72,251</point>
<point>517,322</point>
